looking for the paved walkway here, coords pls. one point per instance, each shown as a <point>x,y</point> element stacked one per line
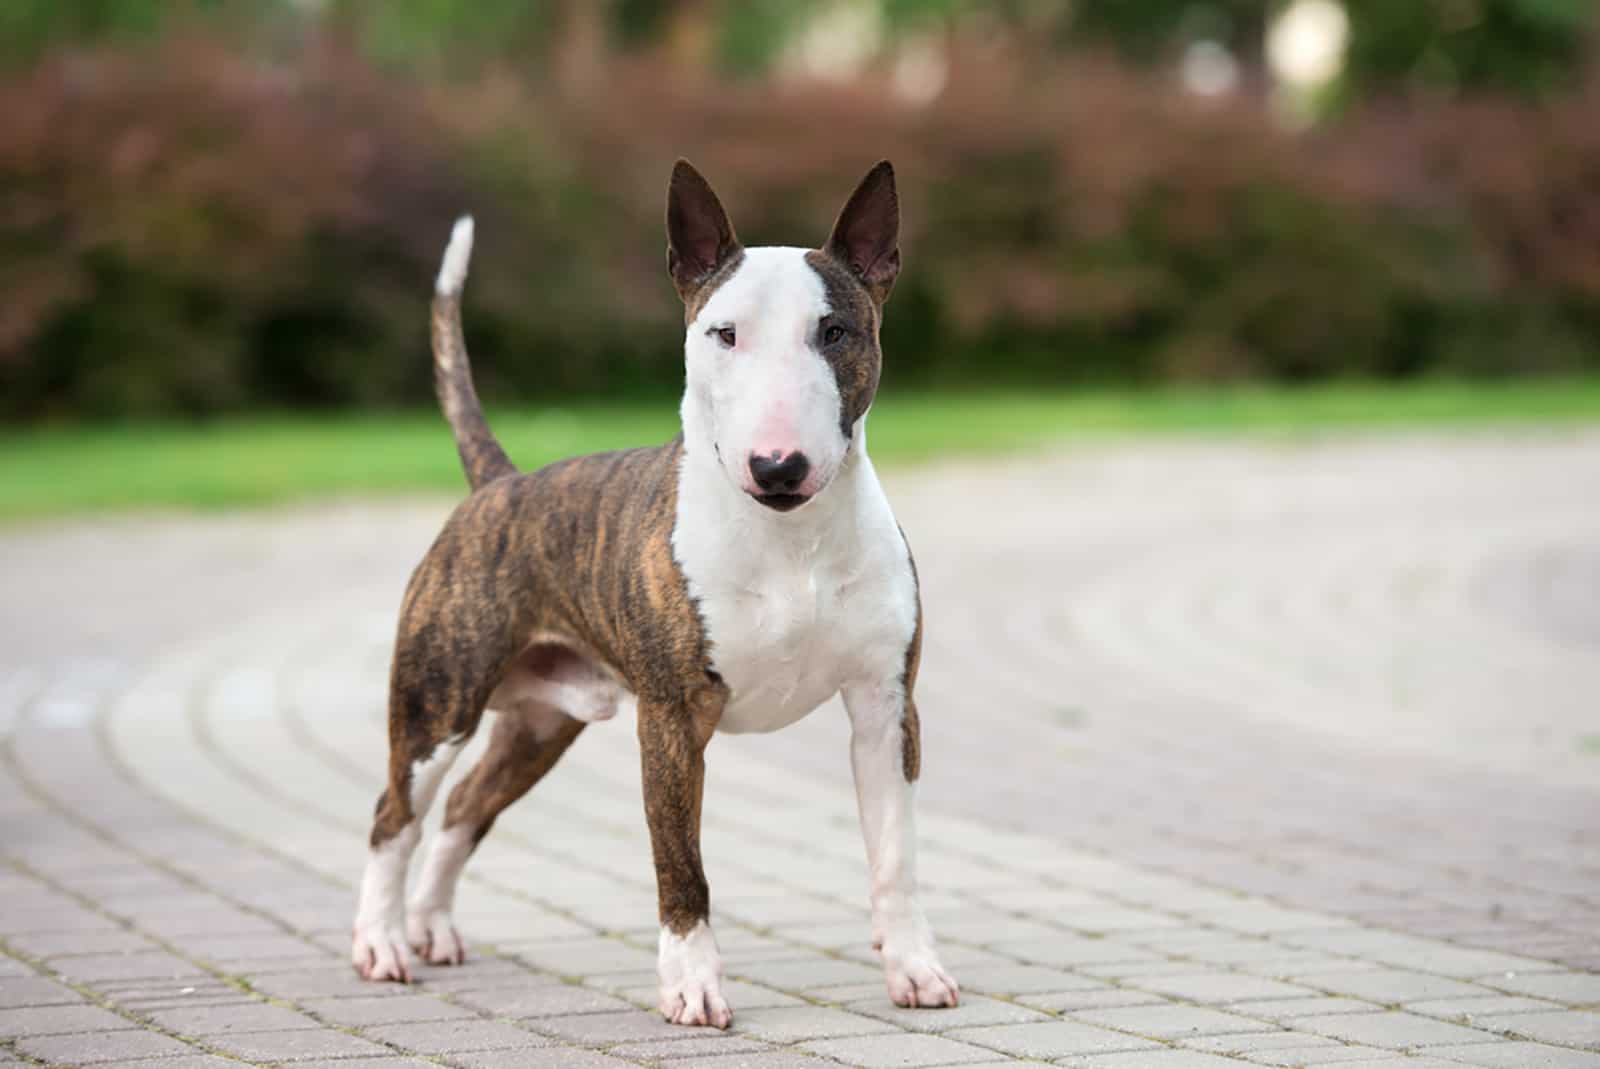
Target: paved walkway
<point>1272,754</point>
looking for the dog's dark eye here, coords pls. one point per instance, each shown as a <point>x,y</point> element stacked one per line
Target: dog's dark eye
<point>833,335</point>
<point>726,336</point>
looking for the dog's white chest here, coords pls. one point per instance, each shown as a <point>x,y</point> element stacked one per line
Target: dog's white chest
<point>783,644</point>
<point>796,606</point>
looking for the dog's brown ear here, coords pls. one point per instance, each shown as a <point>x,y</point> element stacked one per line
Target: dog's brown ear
<point>699,237</point>
<point>866,238</point>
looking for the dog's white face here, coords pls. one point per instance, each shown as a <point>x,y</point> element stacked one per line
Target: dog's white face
<point>760,392</point>
<point>781,349</point>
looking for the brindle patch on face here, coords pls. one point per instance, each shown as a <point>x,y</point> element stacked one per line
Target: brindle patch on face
<point>857,359</point>
<point>694,300</point>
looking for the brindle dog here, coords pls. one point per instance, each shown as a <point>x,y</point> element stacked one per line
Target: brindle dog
<point>731,580</point>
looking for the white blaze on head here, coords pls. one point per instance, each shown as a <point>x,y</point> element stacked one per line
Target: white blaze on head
<point>772,393</point>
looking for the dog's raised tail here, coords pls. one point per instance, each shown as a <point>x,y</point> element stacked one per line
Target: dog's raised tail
<point>481,454</point>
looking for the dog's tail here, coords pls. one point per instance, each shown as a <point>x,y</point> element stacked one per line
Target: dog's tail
<point>481,454</point>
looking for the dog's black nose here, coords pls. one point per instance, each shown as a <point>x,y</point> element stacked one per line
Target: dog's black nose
<point>778,474</point>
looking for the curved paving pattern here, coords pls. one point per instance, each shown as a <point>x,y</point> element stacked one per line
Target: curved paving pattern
<point>1273,753</point>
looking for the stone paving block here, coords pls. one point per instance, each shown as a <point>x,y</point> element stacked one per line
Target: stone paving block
<point>1469,1008</point>
<point>974,1011</point>
<point>1576,1028</point>
<point>64,944</point>
<point>1573,988</point>
<point>1051,1039</point>
<point>789,1024</point>
<point>246,1017</point>
<point>399,1008</point>
<point>1103,997</point>
<point>1219,987</point>
<point>1254,1041</point>
<point>1169,1021</point>
<point>1153,1059</point>
<point>1070,951</point>
<point>1516,1055</point>
<point>1283,1009</point>
<point>777,1059</point>
<point>1327,1054</point>
<point>539,1058</point>
<point>1393,1031</point>
<point>888,1052</point>
<point>1401,1061</point>
<point>34,991</point>
<point>603,1028</point>
<point>1391,986</point>
<point>139,965</point>
<point>808,974</point>
<point>313,983</point>
<point>1118,971</point>
<point>296,1046</point>
<point>188,1061</point>
<point>393,1062</point>
<point>448,1037</point>
<point>56,1020</point>
<point>583,957</point>
<point>1022,980</point>
<point>681,1050</point>
<point>541,1000</point>
<point>85,1048</point>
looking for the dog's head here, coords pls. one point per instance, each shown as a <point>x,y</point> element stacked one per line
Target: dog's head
<point>782,344</point>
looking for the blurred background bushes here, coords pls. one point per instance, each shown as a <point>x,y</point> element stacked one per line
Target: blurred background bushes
<point>209,206</point>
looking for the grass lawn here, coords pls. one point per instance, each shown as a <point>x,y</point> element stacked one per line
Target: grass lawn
<point>261,460</point>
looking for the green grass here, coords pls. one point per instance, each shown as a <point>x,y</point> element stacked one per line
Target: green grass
<point>258,460</point>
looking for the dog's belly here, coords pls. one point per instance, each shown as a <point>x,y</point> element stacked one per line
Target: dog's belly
<point>551,673</point>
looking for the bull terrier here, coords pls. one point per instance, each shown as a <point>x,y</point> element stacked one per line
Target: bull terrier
<point>731,580</point>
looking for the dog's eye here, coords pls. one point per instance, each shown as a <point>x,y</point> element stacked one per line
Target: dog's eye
<point>833,335</point>
<point>726,336</point>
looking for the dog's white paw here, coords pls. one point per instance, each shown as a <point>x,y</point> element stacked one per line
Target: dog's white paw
<point>690,969</point>
<point>379,953</point>
<point>433,936</point>
<point>910,964</point>
<point>917,979</point>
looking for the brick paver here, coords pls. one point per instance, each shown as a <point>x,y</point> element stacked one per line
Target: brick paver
<point>1234,754</point>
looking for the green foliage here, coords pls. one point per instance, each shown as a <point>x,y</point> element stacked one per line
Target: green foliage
<point>1530,46</point>
<point>427,31</point>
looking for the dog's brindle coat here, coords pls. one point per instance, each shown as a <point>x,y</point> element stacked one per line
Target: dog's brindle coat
<point>558,595</point>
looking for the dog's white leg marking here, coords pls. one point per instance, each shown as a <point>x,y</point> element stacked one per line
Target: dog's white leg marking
<point>690,969</point>
<point>430,927</point>
<point>378,945</point>
<point>885,799</point>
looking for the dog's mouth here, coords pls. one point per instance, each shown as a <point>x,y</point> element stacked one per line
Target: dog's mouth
<point>782,502</point>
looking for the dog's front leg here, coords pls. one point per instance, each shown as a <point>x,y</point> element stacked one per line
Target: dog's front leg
<point>884,755</point>
<point>672,742</point>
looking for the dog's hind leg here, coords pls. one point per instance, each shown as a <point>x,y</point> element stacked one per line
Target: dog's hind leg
<point>418,766</point>
<point>445,661</point>
<point>526,744</point>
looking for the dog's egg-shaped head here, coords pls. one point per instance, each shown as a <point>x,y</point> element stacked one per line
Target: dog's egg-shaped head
<point>781,347</point>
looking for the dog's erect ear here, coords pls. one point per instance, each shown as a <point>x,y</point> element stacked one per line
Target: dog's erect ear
<point>866,239</point>
<point>699,237</point>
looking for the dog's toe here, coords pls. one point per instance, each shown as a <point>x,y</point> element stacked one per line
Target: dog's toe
<point>921,982</point>
<point>381,955</point>
<point>435,939</point>
<point>696,1005</point>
